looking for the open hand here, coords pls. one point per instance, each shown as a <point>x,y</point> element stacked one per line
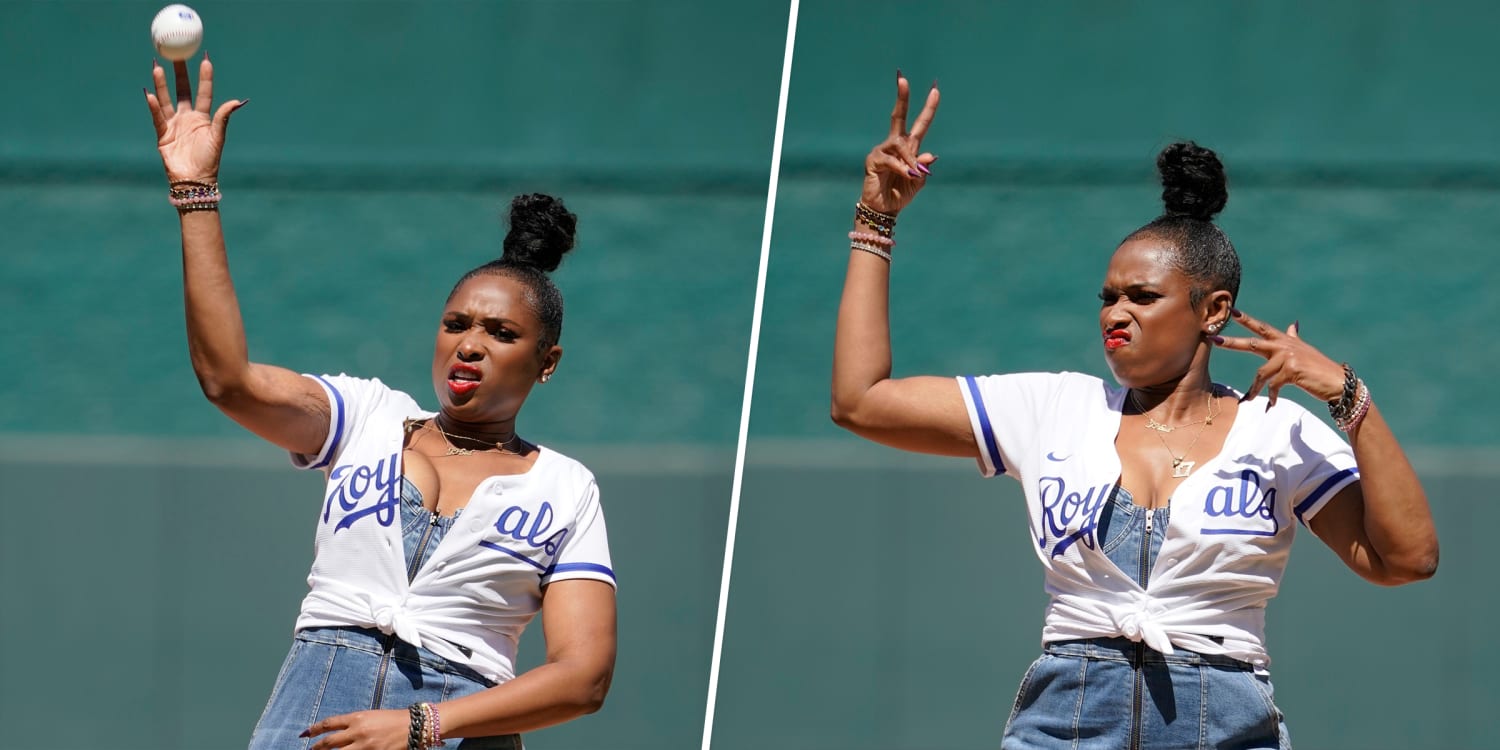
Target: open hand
<point>189,140</point>
<point>1289,361</point>
<point>363,730</point>
<point>896,169</point>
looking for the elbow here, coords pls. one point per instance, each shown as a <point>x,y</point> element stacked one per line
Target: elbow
<point>589,697</point>
<point>221,388</point>
<point>844,411</point>
<point>1410,569</point>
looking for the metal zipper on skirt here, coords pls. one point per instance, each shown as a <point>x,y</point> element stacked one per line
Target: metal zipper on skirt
<point>1140,646</point>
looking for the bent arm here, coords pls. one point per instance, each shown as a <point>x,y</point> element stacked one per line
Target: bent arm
<point>920,414</point>
<point>578,621</point>
<point>277,404</point>
<point>1381,526</point>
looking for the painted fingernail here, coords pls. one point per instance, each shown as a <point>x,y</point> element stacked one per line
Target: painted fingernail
<point>1216,339</point>
<point>306,733</point>
<point>243,102</point>
<point>934,83</point>
<point>205,56</point>
<point>1235,311</point>
<point>914,173</point>
<point>898,74</point>
<point>1297,326</point>
<point>145,91</point>
<point>923,169</point>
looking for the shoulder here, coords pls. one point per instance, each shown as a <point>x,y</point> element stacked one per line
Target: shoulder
<point>352,393</point>
<point>562,470</point>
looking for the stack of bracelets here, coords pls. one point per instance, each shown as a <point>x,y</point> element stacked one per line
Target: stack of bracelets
<point>879,243</point>
<point>191,195</point>
<point>426,727</point>
<point>1350,408</point>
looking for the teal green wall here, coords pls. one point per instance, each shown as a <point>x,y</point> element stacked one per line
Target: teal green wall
<point>881,601</point>
<point>152,553</point>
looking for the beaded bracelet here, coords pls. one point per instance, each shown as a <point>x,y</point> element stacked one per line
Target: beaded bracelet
<point>871,249</point>
<point>873,239</point>
<point>884,224</point>
<point>191,195</point>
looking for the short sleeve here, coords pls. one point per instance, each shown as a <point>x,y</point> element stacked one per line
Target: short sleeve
<point>1324,465</point>
<point>585,551</point>
<point>350,401</point>
<point>1005,414</point>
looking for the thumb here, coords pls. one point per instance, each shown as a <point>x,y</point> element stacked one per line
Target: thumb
<point>221,117</point>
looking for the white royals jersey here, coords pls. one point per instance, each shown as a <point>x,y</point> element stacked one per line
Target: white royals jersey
<point>1230,530</point>
<point>483,583</point>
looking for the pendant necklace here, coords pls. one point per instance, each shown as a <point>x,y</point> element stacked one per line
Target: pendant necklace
<point>1180,467</point>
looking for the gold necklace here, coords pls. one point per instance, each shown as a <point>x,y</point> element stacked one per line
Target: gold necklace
<point>503,446</point>
<point>1180,467</point>
<point>1152,424</point>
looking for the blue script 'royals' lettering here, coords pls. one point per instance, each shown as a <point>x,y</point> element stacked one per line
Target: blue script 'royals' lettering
<point>352,483</point>
<point>1060,509</point>
<point>1248,509</point>
<point>519,525</point>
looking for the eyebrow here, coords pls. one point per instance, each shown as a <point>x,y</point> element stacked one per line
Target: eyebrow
<point>459,314</point>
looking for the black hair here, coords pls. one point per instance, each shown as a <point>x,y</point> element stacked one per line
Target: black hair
<point>541,231</point>
<point>1194,190</point>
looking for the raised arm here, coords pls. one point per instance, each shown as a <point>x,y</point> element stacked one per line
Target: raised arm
<point>1381,525</point>
<point>277,404</point>
<point>922,414</point>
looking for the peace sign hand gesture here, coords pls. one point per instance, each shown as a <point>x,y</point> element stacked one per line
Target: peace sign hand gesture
<point>1289,361</point>
<point>189,140</point>
<point>895,170</point>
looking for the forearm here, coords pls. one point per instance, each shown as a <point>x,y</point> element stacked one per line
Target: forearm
<point>1397,519</point>
<point>862,340</point>
<point>215,331</point>
<point>549,694</point>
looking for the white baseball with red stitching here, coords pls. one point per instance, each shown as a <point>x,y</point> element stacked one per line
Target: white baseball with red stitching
<point>177,31</point>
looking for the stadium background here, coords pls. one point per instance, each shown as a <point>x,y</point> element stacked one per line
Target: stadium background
<point>152,554</point>
<point>888,601</point>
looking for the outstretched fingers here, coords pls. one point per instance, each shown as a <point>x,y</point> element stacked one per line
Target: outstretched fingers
<point>924,118</point>
<point>205,85</point>
<point>184,84</point>
<point>898,113</point>
<point>159,81</point>
<point>221,117</point>
<point>158,120</point>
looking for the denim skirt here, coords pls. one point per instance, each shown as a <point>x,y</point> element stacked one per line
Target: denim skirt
<point>333,671</point>
<point>1116,694</point>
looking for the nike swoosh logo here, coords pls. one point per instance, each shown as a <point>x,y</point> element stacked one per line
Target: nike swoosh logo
<point>1052,457</point>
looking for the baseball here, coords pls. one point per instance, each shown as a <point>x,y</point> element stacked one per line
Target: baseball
<point>177,31</point>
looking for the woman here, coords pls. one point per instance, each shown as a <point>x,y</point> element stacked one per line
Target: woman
<point>1162,509</point>
<point>441,533</point>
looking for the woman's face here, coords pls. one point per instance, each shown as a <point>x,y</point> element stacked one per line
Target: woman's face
<point>486,359</point>
<point>1151,330</point>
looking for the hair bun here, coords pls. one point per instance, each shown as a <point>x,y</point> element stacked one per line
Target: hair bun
<point>1192,180</point>
<point>541,231</point>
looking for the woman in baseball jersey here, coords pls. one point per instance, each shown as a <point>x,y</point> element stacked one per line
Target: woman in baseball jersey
<point>1162,508</point>
<point>441,533</point>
